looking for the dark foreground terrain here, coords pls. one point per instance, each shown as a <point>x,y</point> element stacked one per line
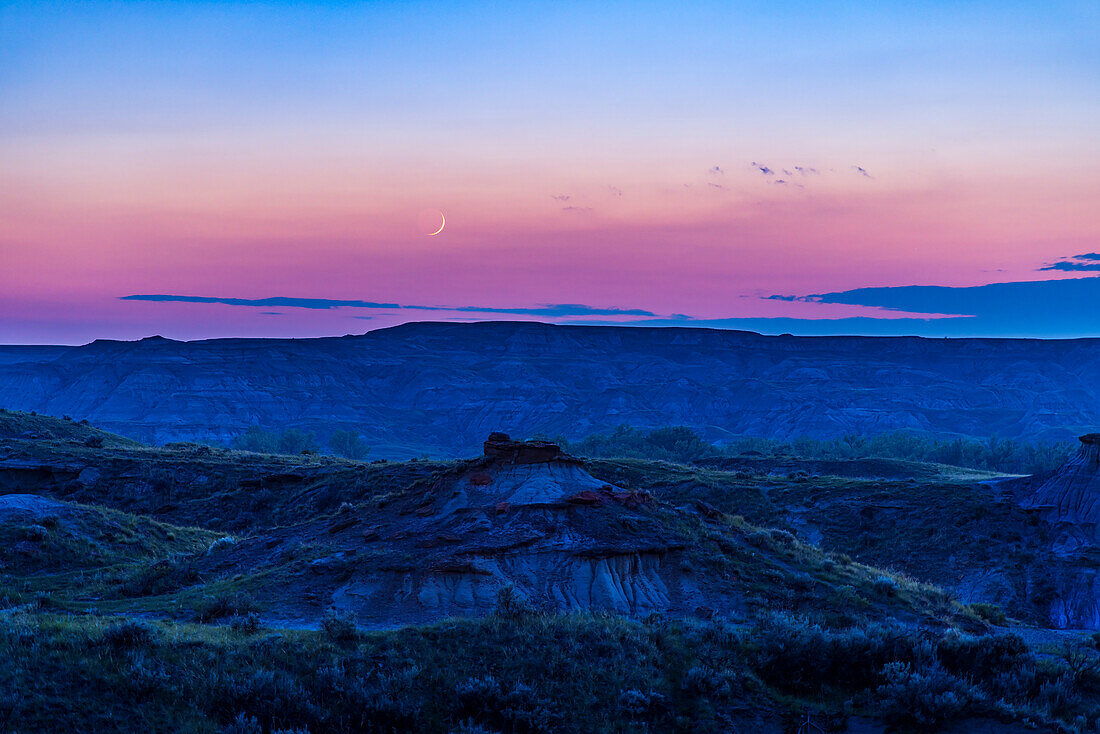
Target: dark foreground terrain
<point>439,388</point>
<point>189,588</point>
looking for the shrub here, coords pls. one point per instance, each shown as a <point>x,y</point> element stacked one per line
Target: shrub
<point>224,605</point>
<point>11,598</point>
<point>635,704</point>
<point>289,441</point>
<point>249,624</point>
<point>221,544</point>
<point>339,626</point>
<point>36,533</point>
<point>161,577</point>
<point>923,698</point>
<point>242,723</point>
<point>782,538</point>
<point>703,680</point>
<point>469,726</point>
<point>518,707</point>
<point>129,635</point>
<point>990,613</point>
<point>1059,696</point>
<point>11,705</point>
<point>796,655</point>
<point>348,444</point>
<point>885,585</point>
<point>268,697</point>
<point>982,657</point>
<point>510,604</point>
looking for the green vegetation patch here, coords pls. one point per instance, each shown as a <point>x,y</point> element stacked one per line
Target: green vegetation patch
<point>526,672</point>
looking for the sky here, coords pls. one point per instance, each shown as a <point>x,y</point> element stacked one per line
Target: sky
<point>205,169</point>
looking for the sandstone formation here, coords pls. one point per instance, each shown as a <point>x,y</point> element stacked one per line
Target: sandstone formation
<point>501,448</point>
<point>526,517</point>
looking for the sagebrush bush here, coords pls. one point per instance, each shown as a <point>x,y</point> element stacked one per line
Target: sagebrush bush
<point>339,626</point>
<point>249,624</point>
<point>517,707</point>
<point>797,655</point>
<point>885,585</point>
<point>982,657</point>
<point>469,726</point>
<point>990,613</point>
<point>922,697</point>
<point>129,634</point>
<point>36,533</point>
<point>242,723</point>
<point>536,673</point>
<point>221,606</point>
<point>275,698</point>
<point>161,577</point>
<point>510,604</point>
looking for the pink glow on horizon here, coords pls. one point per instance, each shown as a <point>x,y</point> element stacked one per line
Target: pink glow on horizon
<point>88,222</point>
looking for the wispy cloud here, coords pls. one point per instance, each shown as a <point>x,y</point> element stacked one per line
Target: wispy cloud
<point>549,310</point>
<point>862,171</point>
<point>561,197</point>
<point>576,209</point>
<point>278,301</point>
<point>558,310</point>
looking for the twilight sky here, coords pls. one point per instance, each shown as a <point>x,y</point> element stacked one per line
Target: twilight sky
<point>271,169</point>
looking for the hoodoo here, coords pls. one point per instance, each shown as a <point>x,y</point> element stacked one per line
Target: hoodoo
<point>528,520</point>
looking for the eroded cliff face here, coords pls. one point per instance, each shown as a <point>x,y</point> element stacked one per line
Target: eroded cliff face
<point>1069,500</point>
<point>528,517</point>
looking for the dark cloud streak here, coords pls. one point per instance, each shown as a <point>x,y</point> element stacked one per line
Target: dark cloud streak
<point>549,310</point>
<point>1077,263</point>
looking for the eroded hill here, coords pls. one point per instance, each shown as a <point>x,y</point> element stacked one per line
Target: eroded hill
<point>523,590</point>
<point>435,387</point>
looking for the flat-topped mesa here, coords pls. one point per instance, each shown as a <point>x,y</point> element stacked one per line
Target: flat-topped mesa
<point>503,449</point>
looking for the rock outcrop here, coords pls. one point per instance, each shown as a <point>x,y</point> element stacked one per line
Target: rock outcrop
<point>1070,498</point>
<point>526,516</point>
<point>503,449</point>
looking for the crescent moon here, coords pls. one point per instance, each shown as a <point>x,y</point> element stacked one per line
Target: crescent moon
<point>441,226</point>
